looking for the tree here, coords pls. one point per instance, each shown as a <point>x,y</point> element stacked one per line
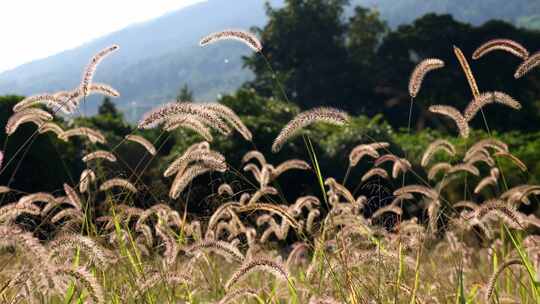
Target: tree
<point>30,171</point>
<point>433,36</point>
<point>107,107</point>
<point>185,94</point>
<point>109,119</point>
<point>304,43</point>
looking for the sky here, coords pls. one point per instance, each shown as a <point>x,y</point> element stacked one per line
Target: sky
<point>34,29</point>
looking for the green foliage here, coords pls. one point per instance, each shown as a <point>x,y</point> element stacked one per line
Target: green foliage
<point>475,12</point>
<point>290,39</point>
<point>185,94</point>
<point>320,57</point>
<point>433,36</point>
<point>30,159</point>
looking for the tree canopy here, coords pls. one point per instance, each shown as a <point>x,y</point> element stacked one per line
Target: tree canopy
<point>317,55</point>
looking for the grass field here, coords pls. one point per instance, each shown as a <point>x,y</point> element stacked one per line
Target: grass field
<point>460,234</point>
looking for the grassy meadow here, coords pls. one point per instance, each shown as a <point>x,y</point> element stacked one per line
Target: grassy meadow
<point>273,203</point>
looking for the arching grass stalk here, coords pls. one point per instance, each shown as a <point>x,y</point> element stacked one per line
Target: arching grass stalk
<point>460,294</point>
<point>416,275</point>
<point>516,241</point>
<point>315,165</point>
<point>71,288</point>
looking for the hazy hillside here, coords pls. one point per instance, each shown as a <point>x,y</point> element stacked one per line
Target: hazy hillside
<point>524,13</point>
<point>158,56</point>
<point>155,58</point>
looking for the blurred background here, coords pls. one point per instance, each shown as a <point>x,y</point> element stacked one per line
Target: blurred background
<point>355,55</point>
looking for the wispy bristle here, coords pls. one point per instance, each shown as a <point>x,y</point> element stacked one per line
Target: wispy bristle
<point>247,38</point>
<point>420,71</point>
<point>322,114</point>
<point>530,63</point>
<point>455,115</point>
<point>507,45</point>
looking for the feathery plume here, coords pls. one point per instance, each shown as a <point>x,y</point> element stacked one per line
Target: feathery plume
<point>283,212</point>
<point>101,88</point>
<point>227,250</point>
<point>264,265</point>
<point>321,114</point>
<point>64,244</point>
<point>37,197</point>
<point>491,143</point>
<point>312,215</point>
<point>488,98</point>
<point>507,45</point>
<point>117,182</point>
<point>93,135</point>
<point>183,179</point>
<point>440,144</point>
<point>87,176</point>
<point>521,165</point>
<point>143,142</point>
<point>464,167</point>
<point>254,154</point>
<point>520,193</point>
<point>486,181</point>
<point>400,164</point>
<point>444,167</point>
<point>500,209</point>
<point>86,279</point>
<point>528,64</point>
<point>246,37</point>
<point>467,70</point>
<point>466,204</point>
<point>420,71</point>
<point>4,189</point>
<point>49,100</point>
<point>50,127</point>
<point>189,122</point>
<point>170,243</point>
<point>100,154</point>
<point>170,111</point>
<point>429,192</point>
<point>455,115</point>
<point>493,279</point>
<point>34,115</point>
<point>481,155</point>
<point>339,189</point>
<point>10,212</point>
<point>359,152</point>
<point>73,198</point>
<point>228,115</point>
<point>387,209</point>
<point>225,189</point>
<point>375,172</point>
<point>91,67</point>
<point>210,159</point>
<point>74,215</point>
<point>292,164</point>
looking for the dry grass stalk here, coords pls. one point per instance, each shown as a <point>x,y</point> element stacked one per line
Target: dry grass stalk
<point>247,38</point>
<point>420,71</point>
<point>143,142</point>
<point>527,65</point>
<point>467,70</point>
<point>304,119</point>
<point>506,45</point>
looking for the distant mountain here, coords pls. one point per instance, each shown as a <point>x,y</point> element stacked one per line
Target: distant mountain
<point>525,13</point>
<point>157,57</point>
